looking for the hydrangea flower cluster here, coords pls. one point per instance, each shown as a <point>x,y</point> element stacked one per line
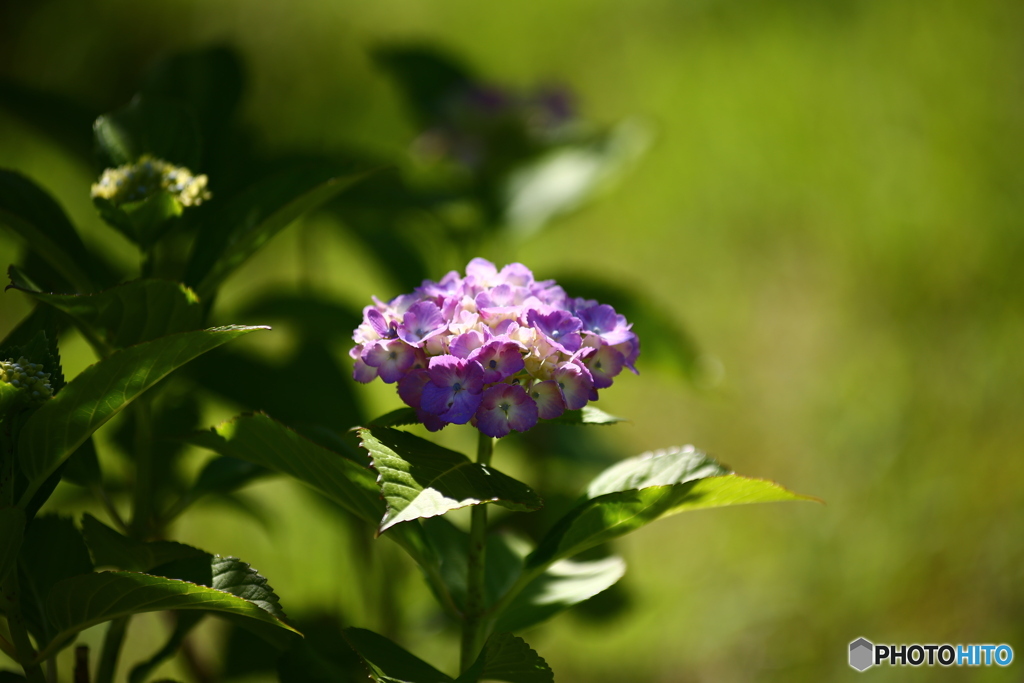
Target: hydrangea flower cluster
<point>141,180</point>
<point>472,122</point>
<point>495,348</point>
<point>27,376</point>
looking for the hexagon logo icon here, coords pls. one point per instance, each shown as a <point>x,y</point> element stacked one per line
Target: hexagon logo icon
<point>862,653</point>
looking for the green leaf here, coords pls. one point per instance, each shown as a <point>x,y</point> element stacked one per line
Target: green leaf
<point>33,214</point>
<point>241,225</point>
<point>145,221</point>
<point>111,549</point>
<point>329,400</point>
<point>83,601</point>
<point>569,176</point>
<point>148,125</point>
<point>389,663</point>
<point>656,468</point>
<point>102,390</point>
<point>261,440</point>
<point>83,466</point>
<point>564,584</point>
<point>506,657</point>
<point>53,550</point>
<point>671,485</point>
<point>420,479</point>
<point>399,417</point>
<point>588,415</point>
<point>137,311</point>
<point>225,475</point>
<point>504,558</point>
<point>12,530</point>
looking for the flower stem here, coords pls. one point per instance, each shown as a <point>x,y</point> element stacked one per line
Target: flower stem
<point>473,619</point>
<point>111,649</point>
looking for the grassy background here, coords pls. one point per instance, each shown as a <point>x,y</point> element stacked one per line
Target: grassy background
<point>832,206</point>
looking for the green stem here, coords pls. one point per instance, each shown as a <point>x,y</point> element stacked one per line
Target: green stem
<point>473,621</point>
<point>142,502</point>
<point>111,649</point>
<point>26,654</point>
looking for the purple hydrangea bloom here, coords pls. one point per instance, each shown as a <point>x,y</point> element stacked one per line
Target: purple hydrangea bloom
<point>505,407</point>
<point>495,348</point>
<point>421,322</point>
<point>453,392</point>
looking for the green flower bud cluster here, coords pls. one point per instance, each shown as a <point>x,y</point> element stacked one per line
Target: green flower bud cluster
<point>27,376</point>
<point>141,180</point>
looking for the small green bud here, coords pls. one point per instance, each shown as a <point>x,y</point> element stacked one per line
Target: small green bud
<point>141,180</point>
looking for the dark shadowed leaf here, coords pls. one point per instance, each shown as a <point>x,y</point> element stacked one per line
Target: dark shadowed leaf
<point>83,466</point>
<point>127,314</point>
<point>420,479</point>
<point>255,384</point>
<point>389,663</point>
<point>261,440</point>
<point>148,125</point>
<point>52,551</point>
<point>102,390</point>
<point>504,558</point>
<point>33,214</point>
<point>111,549</point>
<point>12,530</point>
<point>506,657</point>
<point>399,417</point>
<point>242,224</point>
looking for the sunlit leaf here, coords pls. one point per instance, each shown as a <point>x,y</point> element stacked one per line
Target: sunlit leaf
<point>564,584</point>
<point>420,479</point>
<point>639,490</point>
<point>569,176</point>
<point>83,601</point>
<point>588,415</point>
<point>506,657</point>
<point>102,390</point>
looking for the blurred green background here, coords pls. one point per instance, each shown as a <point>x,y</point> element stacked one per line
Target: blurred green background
<point>832,206</point>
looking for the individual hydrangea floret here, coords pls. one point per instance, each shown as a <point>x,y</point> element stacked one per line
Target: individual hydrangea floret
<point>494,348</point>
<point>141,180</point>
<point>27,376</point>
